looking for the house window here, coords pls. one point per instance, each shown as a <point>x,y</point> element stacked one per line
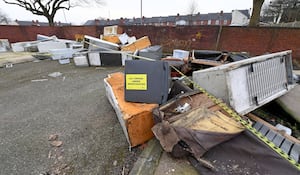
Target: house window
<point>225,22</point>
<point>217,22</point>
<point>209,22</point>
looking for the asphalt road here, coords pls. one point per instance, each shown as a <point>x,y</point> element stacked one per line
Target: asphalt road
<point>74,106</point>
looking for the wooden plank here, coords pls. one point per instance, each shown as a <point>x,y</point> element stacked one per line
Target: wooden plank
<point>257,119</point>
<point>139,44</point>
<point>206,62</point>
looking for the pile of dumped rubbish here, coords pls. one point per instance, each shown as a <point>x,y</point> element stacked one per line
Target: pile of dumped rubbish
<point>197,103</point>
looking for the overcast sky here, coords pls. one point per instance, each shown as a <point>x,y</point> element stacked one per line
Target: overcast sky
<point>128,9</point>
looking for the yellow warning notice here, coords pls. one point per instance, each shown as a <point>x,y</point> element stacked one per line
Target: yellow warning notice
<point>136,81</point>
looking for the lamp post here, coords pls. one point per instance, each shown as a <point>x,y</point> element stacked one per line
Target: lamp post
<point>141,12</point>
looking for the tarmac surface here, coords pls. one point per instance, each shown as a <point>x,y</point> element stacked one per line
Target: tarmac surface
<point>74,107</point>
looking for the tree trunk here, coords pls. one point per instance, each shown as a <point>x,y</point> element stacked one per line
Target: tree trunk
<point>255,17</point>
<point>50,20</point>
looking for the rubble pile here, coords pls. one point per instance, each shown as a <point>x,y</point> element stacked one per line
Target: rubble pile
<point>194,102</point>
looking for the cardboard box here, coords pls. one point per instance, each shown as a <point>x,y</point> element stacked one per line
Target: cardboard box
<point>135,118</point>
<point>139,44</point>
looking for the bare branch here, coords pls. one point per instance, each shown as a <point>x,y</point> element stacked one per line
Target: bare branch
<point>192,8</point>
<point>3,18</point>
<point>49,8</point>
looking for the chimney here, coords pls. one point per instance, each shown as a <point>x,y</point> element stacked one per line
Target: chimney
<point>97,21</point>
<point>121,21</point>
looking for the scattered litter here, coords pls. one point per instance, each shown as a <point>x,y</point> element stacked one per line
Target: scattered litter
<point>64,78</point>
<point>56,143</point>
<point>183,108</point>
<point>36,61</point>
<point>49,154</point>
<point>46,46</point>
<point>21,46</point>
<point>131,39</point>
<point>55,74</point>
<point>113,58</point>
<point>142,84</point>
<point>100,68</point>
<point>115,163</point>
<point>64,61</point>
<point>39,80</point>
<point>124,38</point>
<point>139,44</point>
<point>112,30</point>
<point>245,84</point>
<point>296,78</point>
<point>94,44</point>
<point>45,38</point>
<point>53,137</point>
<point>94,58</point>
<point>80,59</point>
<point>136,113</point>
<point>8,65</point>
<point>42,55</point>
<point>153,52</point>
<point>181,54</point>
<point>111,38</point>
<point>284,129</point>
<point>64,53</point>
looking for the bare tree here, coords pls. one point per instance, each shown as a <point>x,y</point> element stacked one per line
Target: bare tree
<point>255,17</point>
<point>3,18</point>
<point>192,8</point>
<point>49,8</point>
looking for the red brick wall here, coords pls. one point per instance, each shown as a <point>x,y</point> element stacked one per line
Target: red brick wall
<point>254,40</point>
<point>28,33</point>
<point>261,40</point>
<point>179,37</point>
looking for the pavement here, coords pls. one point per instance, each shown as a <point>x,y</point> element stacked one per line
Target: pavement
<point>73,106</point>
<point>154,161</point>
